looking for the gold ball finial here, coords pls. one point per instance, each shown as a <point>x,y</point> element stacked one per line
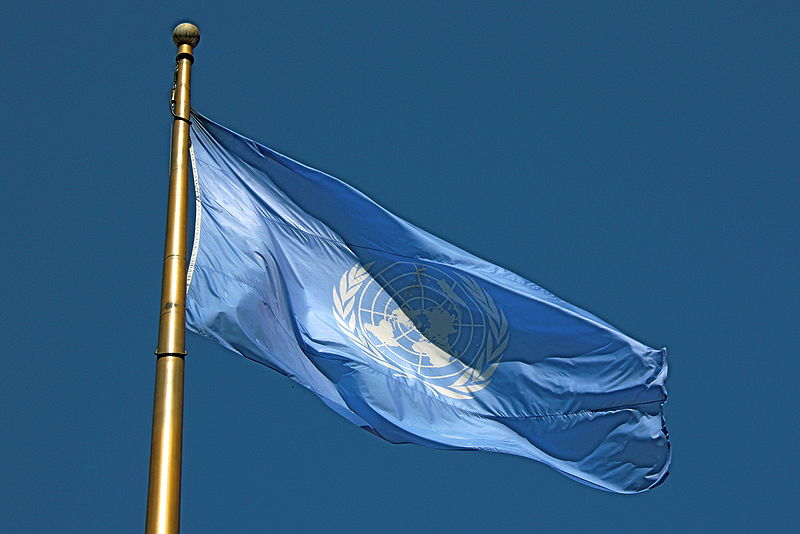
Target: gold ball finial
<point>186,33</point>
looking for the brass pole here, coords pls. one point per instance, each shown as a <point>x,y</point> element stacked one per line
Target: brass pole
<point>164,491</point>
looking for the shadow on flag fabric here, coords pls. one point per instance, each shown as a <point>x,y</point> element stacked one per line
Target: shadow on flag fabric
<point>409,336</point>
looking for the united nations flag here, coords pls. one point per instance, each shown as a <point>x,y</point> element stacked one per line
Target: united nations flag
<point>407,335</point>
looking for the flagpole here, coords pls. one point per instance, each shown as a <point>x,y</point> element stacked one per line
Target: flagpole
<point>164,490</point>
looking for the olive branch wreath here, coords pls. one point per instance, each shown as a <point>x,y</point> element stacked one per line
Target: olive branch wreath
<point>472,379</point>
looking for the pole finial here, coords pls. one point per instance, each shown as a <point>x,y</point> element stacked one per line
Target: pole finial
<point>186,33</point>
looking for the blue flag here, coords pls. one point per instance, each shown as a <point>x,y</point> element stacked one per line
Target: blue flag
<point>408,336</point>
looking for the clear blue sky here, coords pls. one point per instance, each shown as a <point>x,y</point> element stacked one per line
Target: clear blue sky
<point>640,161</point>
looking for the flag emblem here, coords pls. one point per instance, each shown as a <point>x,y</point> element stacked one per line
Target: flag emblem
<point>424,324</point>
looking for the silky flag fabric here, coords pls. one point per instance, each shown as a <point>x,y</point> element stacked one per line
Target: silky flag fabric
<point>407,335</point>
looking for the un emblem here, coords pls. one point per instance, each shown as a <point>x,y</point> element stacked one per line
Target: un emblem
<point>423,323</point>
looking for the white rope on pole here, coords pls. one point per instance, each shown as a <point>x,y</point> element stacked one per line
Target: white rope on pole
<point>198,212</point>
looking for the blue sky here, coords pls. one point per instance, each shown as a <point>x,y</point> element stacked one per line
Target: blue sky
<point>637,160</point>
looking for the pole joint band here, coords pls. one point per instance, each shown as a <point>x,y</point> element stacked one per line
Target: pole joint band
<point>162,354</point>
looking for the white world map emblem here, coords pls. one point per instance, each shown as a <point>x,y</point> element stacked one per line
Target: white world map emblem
<point>423,323</point>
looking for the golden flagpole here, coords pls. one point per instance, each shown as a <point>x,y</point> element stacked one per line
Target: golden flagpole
<point>164,491</point>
